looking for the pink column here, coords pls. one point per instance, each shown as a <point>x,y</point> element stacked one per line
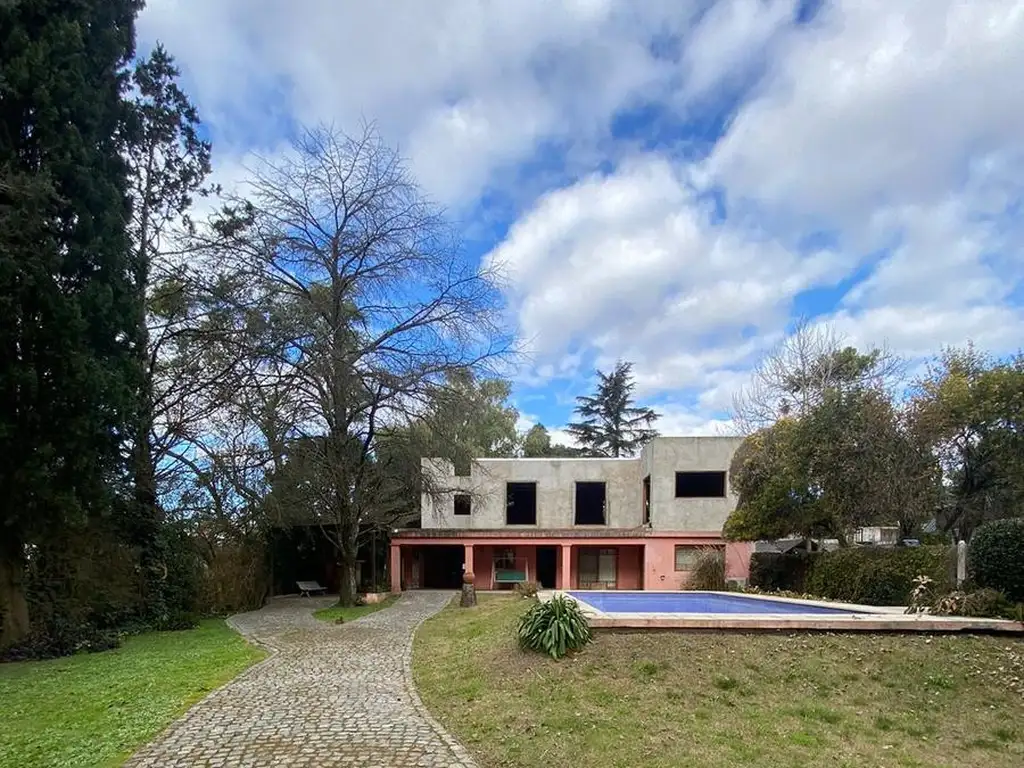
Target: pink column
<point>565,574</point>
<point>396,568</point>
<point>468,559</point>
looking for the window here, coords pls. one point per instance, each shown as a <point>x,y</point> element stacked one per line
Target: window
<point>520,503</point>
<point>686,557</point>
<point>462,504</point>
<point>647,500</point>
<point>597,568</point>
<point>590,504</point>
<point>700,485</point>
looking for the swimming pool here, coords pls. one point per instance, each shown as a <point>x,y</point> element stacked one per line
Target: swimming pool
<point>700,602</point>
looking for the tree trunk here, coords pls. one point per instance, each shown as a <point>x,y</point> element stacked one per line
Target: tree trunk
<point>14,623</point>
<point>348,539</point>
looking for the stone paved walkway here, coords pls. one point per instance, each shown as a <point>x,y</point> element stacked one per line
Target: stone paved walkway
<point>331,695</point>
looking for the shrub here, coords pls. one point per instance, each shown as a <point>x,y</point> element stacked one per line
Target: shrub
<point>877,575</point>
<point>526,588</point>
<point>234,578</point>
<point>778,571</point>
<point>986,603</point>
<point>555,627</point>
<point>996,557</point>
<point>708,570</point>
<point>62,638</point>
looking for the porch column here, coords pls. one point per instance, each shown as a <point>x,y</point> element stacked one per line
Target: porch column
<point>565,572</point>
<point>468,559</point>
<point>396,568</point>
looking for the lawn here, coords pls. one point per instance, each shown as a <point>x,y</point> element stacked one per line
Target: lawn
<point>96,709</point>
<point>336,612</point>
<point>674,699</point>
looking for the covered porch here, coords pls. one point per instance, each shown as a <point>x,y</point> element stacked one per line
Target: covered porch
<point>501,564</point>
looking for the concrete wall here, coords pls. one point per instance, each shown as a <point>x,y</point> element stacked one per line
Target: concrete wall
<point>683,454</point>
<point>556,492</point>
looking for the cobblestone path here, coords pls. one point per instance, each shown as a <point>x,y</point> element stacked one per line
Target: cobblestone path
<point>331,695</point>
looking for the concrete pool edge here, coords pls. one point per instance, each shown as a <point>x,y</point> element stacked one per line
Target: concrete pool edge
<point>862,618</point>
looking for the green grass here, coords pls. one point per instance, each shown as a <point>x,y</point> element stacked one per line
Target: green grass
<point>336,612</point>
<point>96,709</point>
<point>722,699</point>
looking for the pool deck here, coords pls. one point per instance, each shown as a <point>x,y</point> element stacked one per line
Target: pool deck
<point>862,618</point>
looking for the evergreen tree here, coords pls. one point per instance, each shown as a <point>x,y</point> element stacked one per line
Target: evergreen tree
<point>68,374</point>
<point>610,425</point>
<point>168,163</point>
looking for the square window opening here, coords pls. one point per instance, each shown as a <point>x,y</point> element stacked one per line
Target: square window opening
<point>700,485</point>
<point>686,557</point>
<point>520,503</point>
<point>590,503</point>
<point>463,504</point>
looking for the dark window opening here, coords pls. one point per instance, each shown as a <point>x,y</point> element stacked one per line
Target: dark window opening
<point>462,504</point>
<point>700,485</point>
<point>462,466</point>
<point>521,503</point>
<point>647,500</point>
<point>590,504</point>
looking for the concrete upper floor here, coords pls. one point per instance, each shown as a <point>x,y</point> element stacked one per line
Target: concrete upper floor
<point>675,484</point>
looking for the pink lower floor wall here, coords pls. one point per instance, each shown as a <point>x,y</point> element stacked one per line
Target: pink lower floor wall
<point>648,563</point>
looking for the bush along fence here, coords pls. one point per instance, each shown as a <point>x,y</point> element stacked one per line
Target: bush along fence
<point>870,576</point>
<point>924,578</point>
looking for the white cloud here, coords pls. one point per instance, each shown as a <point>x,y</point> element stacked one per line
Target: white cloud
<point>879,101</point>
<point>893,130</point>
<point>467,88</point>
<point>632,265</point>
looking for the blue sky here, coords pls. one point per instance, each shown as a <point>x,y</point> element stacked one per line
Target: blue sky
<point>672,183</point>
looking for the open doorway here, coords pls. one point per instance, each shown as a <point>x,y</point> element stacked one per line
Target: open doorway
<point>442,567</point>
<point>547,566</point>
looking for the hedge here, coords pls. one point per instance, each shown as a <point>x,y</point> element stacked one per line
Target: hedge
<point>880,575</point>
<point>996,557</point>
<point>781,572</point>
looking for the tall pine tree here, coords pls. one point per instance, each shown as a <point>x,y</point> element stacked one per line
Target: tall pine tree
<point>609,423</point>
<point>68,374</point>
<point>168,163</point>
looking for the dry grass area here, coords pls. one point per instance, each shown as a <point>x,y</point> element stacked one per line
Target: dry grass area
<point>672,699</point>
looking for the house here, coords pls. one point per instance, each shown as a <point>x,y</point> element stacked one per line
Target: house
<point>877,534</point>
<point>573,523</point>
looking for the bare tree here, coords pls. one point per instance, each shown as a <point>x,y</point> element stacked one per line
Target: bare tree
<point>375,302</point>
<point>794,376</point>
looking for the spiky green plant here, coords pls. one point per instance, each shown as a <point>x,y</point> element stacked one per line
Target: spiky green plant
<point>555,627</point>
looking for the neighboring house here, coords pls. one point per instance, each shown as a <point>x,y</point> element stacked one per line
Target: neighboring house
<point>573,523</point>
<point>877,534</point>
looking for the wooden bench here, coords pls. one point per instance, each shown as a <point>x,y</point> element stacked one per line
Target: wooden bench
<point>307,588</point>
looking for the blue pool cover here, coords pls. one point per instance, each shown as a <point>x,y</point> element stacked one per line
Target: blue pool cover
<point>696,602</point>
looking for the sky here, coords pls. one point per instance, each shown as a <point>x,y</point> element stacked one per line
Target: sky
<point>670,183</point>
